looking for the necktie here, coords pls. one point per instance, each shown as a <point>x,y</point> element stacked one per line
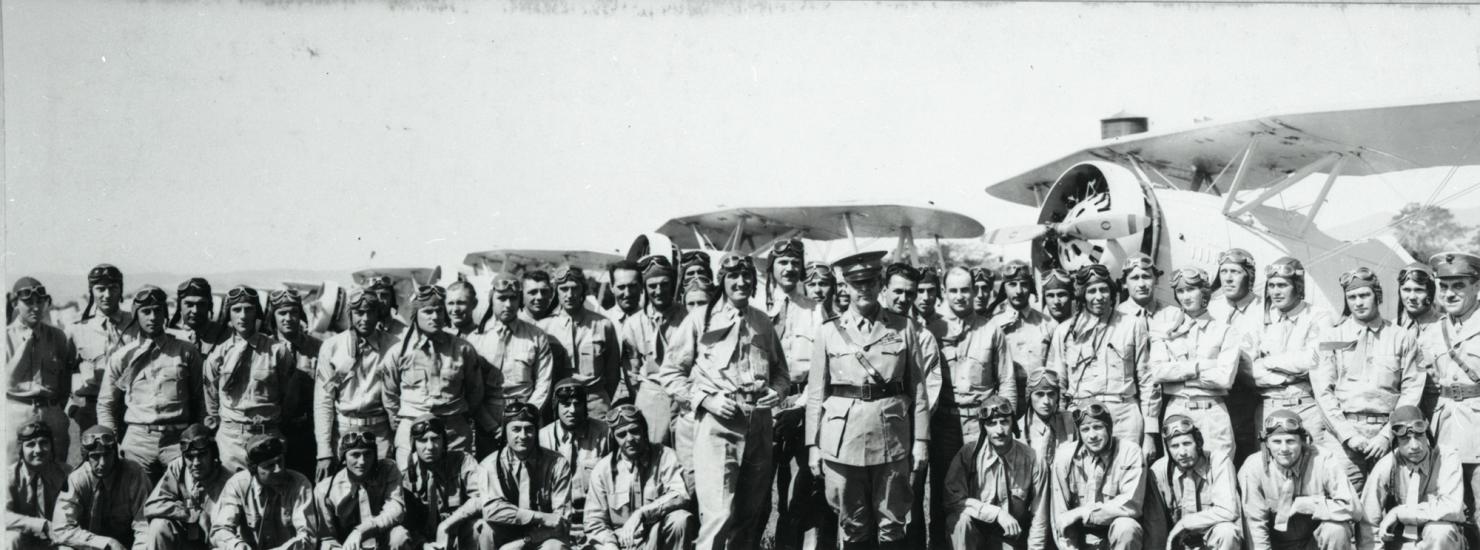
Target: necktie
<point>36,494</point>
<point>526,489</point>
<point>270,534</point>
<point>570,458</point>
<point>362,500</point>
<point>1412,496</point>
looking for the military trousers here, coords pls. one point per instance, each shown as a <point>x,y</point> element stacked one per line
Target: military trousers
<point>1356,464</point>
<point>459,431</point>
<point>873,502</point>
<point>231,440</point>
<point>684,426</point>
<point>733,472</point>
<point>1121,534</point>
<point>18,412</point>
<point>969,532</point>
<point>168,534</point>
<point>1209,414</point>
<point>804,513</point>
<point>1313,535</point>
<point>1221,536</point>
<point>950,428</point>
<point>657,409</point>
<point>152,446</point>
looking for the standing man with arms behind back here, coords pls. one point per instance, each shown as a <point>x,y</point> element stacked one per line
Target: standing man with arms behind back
<point>103,330</point>
<point>868,413</point>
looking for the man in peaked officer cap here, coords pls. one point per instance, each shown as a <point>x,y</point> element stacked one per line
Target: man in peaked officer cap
<point>867,369</point>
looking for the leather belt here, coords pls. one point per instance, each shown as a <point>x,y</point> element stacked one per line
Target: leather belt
<point>1288,401</point>
<point>866,392</point>
<point>1105,398</point>
<point>160,428</point>
<point>1368,418</point>
<point>1460,392</point>
<point>363,421</point>
<point>248,427</point>
<point>1198,402</point>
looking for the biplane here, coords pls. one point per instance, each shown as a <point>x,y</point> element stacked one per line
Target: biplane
<point>1184,195</point>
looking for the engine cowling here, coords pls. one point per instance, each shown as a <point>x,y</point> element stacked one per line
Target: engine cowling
<point>1095,188</point>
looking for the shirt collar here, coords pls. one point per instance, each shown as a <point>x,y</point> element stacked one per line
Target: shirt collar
<point>1374,326</point>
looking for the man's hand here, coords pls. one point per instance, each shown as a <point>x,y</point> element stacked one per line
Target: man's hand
<point>721,407</point>
<point>352,542</point>
<point>445,529</point>
<point>1356,444</point>
<point>631,532</point>
<point>1098,516</point>
<point>1072,517</point>
<point>768,400</point>
<point>814,462</point>
<point>325,469</point>
<point>1301,505</point>
<point>922,455</point>
<point>1148,447</point>
<point>1384,529</point>
<point>1172,537</point>
<point>1377,446</point>
<point>1009,525</point>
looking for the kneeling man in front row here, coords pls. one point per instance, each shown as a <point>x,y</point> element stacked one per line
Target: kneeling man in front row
<point>995,488</point>
<point>1196,489</point>
<point>1099,486</point>
<point>1295,495</point>
<point>637,494</point>
<point>1414,498</point>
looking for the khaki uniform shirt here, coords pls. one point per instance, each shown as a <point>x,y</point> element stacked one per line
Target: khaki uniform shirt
<point>1200,497</point>
<point>180,498</point>
<point>97,338</point>
<point>581,450</point>
<point>982,484</point>
<point>452,488</point>
<point>438,374</point>
<point>1282,351</point>
<point>856,432</point>
<point>253,516</point>
<point>586,346</point>
<point>91,510</point>
<point>1027,334</point>
<point>1365,368</point>
<point>348,381</point>
<point>522,356</point>
<point>738,357</point>
<point>1452,347</point>
<point>1114,481</point>
<point>341,503</point>
<point>646,337</point>
<point>1192,356</point>
<point>619,487</point>
<point>516,489</point>
<point>32,497</point>
<point>1269,490</point>
<point>39,362</point>
<point>153,381</point>
<point>1430,491</point>
<point>1107,361</point>
<point>1243,317</point>
<point>247,380</point>
<point>206,339</point>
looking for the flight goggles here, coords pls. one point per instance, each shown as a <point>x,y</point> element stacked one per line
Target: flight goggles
<point>570,274</point>
<point>31,293</point>
<point>241,294</point>
<point>150,296</point>
<point>285,297</point>
<point>1058,279</point>
<point>694,256</point>
<point>104,274</point>
<point>1017,271</point>
<point>622,415</point>
<point>1095,411</point>
<point>34,430</point>
<point>1283,424</point>
<point>1090,274</point>
<point>570,393</point>
<point>196,445</point>
<point>1190,276</point>
<point>505,284</point>
<point>929,275</point>
<point>735,263</point>
<point>819,270</point>
<point>429,295</point>
<point>1139,261</point>
<point>356,440</point>
<point>700,283</point>
<point>521,412</point>
<point>195,286</point>
<point>1417,272</point>
<point>1358,278</point>
<point>1176,425</point>
<point>993,407</point>
<point>982,275</point>
<point>1290,268</point>
<point>1236,256</point>
<point>428,424</point>
<point>788,247</point>
<point>362,299</point>
<point>98,441</point>
<point>1415,427</point>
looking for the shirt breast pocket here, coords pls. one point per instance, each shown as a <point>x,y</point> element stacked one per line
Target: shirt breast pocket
<point>414,379</point>
<point>264,384</point>
<point>1384,372</point>
<point>518,367</point>
<point>171,384</point>
<point>593,350</point>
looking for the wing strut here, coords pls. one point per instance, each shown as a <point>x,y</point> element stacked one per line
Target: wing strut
<point>848,228</point>
<point>1291,179</point>
<point>1310,219</point>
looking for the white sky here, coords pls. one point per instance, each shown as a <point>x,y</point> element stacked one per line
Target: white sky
<point>217,136</point>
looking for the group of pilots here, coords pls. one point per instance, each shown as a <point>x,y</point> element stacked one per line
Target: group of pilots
<point>903,408</point>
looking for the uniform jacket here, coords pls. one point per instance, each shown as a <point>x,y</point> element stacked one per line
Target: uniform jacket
<point>348,381</point>
<point>1107,360</point>
<point>1282,351</point>
<point>1452,348</point>
<point>452,487</point>
<point>1199,498</point>
<point>32,497</point>
<point>152,381</point>
<point>739,353</point>
<point>517,489</point>
<point>618,489</point>
<point>1268,490</point>
<point>253,516</point>
<point>522,357</point>
<point>983,483</point>
<point>342,503</point>
<point>1192,356</point>
<point>1365,368</point>
<point>1424,493</point>
<point>1115,482</point>
<point>856,432</point>
<point>581,450</point>
<point>179,498</point>
<point>247,380</point>
<point>89,508</point>
<point>439,374</point>
<point>586,346</point>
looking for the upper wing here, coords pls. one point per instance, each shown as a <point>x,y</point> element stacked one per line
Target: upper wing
<point>1382,139</point>
<point>765,224</point>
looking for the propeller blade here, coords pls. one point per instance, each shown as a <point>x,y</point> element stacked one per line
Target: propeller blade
<point>1104,226</point>
<point>1016,234</point>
